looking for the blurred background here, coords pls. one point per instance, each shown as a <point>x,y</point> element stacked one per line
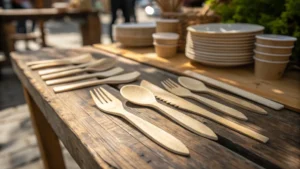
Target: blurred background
<point>18,147</point>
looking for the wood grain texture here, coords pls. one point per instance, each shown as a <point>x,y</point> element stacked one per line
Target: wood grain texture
<point>98,140</point>
<point>285,91</point>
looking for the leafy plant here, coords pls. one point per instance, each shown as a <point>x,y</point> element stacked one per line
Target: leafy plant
<point>277,16</point>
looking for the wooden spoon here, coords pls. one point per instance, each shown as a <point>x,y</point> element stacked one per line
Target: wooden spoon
<point>107,73</point>
<point>142,96</point>
<point>198,86</point>
<point>97,66</point>
<point>74,61</point>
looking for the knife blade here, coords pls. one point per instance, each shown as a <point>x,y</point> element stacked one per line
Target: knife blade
<point>174,100</point>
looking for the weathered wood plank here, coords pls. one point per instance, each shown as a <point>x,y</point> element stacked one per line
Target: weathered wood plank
<point>94,138</point>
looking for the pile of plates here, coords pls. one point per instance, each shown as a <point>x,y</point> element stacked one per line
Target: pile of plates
<point>222,44</point>
<point>134,34</point>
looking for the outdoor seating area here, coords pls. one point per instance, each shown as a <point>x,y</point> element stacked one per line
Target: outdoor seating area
<point>150,84</point>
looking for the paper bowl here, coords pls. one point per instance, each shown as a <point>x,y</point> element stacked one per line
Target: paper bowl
<point>273,49</point>
<point>167,25</point>
<point>275,40</point>
<point>166,38</point>
<point>165,51</point>
<point>272,57</point>
<point>269,70</point>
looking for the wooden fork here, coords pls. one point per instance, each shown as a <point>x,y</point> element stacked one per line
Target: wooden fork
<point>111,105</point>
<point>178,90</point>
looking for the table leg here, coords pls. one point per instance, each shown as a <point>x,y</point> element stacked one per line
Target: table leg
<point>43,34</point>
<point>7,29</point>
<point>91,30</point>
<point>47,140</point>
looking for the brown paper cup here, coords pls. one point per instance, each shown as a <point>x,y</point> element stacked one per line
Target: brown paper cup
<point>269,70</point>
<point>165,38</point>
<point>272,57</point>
<point>165,51</point>
<point>167,25</point>
<point>273,49</point>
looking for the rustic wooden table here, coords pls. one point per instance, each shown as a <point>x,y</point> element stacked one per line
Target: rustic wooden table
<point>98,140</point>
<point>90,24</point>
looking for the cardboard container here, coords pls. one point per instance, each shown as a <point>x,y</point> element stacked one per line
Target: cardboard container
<point>269,70</point>
<point>134,41</point>
<point>167,25</point>
<point>139,30</point>
<point>273,49</point>
<point>275,40</point>
<point>166,38</point>
<point>165,51</point>
<point>272,57</point>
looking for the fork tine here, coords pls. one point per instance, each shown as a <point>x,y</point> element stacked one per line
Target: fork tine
<point>102,95</point>
<point>96,100</point>
<point>99,96</point>
<point>174,83</point>
<point>166,85</point>
<point>170,83</point>
<point>110,96</point>
<point>105,95</point>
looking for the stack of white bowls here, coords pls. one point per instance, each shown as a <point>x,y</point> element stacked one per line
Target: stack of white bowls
<point>134,34</point>
<point>222,45</point>
<point>272,53</point>
<point>165,44</point>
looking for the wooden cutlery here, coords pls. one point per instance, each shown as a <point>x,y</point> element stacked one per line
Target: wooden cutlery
<point>61,69</point>
<point>197,86</point>
<point>104,74</point>
<point>176,89</point>
<point>183,104</point>
<point>96,66</point>
<point>237,91</point>
<point>144,97</point>
<point>123,78</point>
<point>110,104</point>
<point>59,62</point>
<point>52,60</point>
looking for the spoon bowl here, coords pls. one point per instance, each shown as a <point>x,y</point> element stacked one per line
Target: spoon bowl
<point>81,59</point>
<point>192,84</point>
<point>137,94</point>
<point>101,65</point>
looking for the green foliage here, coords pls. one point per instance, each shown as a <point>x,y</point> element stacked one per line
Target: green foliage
<point>277,16</point>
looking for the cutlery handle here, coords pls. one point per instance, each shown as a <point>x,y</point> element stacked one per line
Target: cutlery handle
<point>236,90</point>
<point>186,121</point>
<point>238,102</point>
<point>71,79</point>
<point>55,70</point>
<point>41,62</point>
<point>220,107</point>
<point>156,134</point>
<point>228,123</point>
<point>50,64</point>
<point>69,87</point>
<point>62,74</point>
